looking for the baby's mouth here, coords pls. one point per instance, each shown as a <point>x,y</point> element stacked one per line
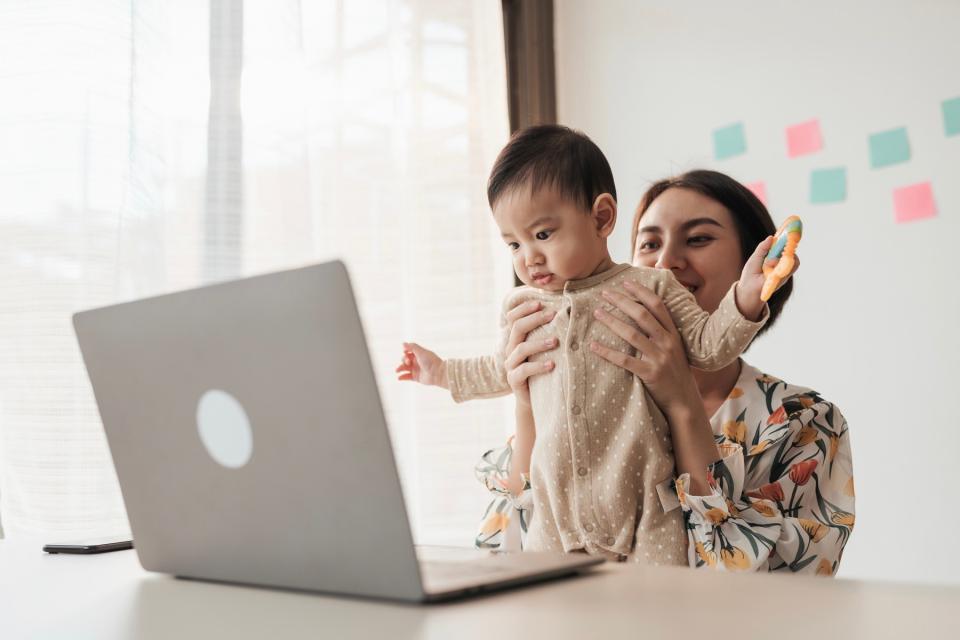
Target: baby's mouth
<point>542,278</point>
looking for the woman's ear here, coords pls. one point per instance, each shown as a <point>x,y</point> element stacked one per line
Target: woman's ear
<point>604,214</point>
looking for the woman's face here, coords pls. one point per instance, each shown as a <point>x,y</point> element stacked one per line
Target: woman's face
<point>693,236</point>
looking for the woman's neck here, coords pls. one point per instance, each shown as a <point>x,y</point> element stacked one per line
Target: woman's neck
<point>715,386</point>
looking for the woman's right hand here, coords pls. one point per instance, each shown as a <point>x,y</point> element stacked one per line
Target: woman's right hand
<point>523,319</point>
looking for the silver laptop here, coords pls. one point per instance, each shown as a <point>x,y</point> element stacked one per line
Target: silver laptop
<point>251,446</point>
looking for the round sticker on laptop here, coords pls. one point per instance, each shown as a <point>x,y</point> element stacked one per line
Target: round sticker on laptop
<point>224,428</point>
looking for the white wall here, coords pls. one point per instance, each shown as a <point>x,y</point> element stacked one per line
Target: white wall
<point>871,324</point>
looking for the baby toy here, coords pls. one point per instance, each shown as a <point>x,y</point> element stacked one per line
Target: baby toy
<point>784,247</point>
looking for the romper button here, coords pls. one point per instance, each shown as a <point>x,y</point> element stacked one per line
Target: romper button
<point>576,409</point>
<point>574,346</point>
<point>588,527</point>
<point>610,541</point>
<point>582,471</point>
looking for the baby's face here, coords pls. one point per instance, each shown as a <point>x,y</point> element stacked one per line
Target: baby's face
<point>552,239</point>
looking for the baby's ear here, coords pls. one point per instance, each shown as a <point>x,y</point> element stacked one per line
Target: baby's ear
<point>604,214</point>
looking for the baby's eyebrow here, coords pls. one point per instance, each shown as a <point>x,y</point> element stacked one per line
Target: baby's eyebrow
<point>541,220</point>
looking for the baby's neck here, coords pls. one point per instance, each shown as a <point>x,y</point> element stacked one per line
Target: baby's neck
<point>606,263</point>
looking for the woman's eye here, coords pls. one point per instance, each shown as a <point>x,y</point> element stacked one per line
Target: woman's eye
<point>543,235</point>
<point>699,239</point>
<point>649,245</point>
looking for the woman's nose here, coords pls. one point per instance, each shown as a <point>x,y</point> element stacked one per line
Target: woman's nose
<point>670,258</point>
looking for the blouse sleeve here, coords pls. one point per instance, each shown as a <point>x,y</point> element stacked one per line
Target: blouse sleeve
<point>799,519</point>
<point>504,523</point>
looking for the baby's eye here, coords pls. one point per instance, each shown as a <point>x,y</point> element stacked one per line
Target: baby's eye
<point>513,245</point>
<point>543,235</point>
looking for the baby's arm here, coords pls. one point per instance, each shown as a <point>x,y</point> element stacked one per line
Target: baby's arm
<point>713,341</point>
<point>466,378</point>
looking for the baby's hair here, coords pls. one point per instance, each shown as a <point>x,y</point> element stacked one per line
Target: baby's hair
<point>551,155</point>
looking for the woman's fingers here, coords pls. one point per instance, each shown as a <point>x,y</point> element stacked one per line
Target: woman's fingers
<point>522,310</point>
<point>653,304</point>
<point>637,312</point>
<point>520,374</point>
<point>528,348</point>
<point>525,324</point>
<point>635,366</point>
<point>634,337</point>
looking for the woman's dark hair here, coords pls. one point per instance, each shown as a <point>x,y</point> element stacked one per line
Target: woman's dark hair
<point>750,217</point>
<point>552,155</point>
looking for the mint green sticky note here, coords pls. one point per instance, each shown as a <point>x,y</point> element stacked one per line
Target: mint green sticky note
<point>889,147</point>
<point>828,185</point>
<point>951,116</point>
<point>729,141</point>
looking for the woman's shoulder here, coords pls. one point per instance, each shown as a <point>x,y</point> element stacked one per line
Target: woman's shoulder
<point>763,409</point>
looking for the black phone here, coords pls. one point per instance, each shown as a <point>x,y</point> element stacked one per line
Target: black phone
<point>89,546</point>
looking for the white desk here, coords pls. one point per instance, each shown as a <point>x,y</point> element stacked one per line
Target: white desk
<point>109,596</point>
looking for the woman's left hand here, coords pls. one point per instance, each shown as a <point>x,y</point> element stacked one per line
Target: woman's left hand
<point>661,361</point>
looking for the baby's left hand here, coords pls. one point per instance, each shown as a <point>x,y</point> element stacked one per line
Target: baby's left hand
<point>752,279</point>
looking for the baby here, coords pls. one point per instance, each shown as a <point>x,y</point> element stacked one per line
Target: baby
<point>601,445</point>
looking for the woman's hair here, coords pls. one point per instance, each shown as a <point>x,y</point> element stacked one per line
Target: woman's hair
<point>750,217</point>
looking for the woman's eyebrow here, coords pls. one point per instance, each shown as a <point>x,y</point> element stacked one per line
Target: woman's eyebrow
<point>689,224</point>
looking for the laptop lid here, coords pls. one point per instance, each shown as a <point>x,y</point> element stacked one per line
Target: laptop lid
<point>248,435</point>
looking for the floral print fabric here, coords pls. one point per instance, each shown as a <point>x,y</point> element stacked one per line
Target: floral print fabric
<point>781,497</point>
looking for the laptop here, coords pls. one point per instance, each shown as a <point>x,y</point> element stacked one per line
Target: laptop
<point>251,446</point>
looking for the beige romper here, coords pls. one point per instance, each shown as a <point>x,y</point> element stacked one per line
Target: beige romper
<point>602,444</point>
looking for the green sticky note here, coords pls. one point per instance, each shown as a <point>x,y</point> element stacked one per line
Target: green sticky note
<point>889,147</point>
<point>729,141</point>
<point>828,185</point>
<point>951,116</point>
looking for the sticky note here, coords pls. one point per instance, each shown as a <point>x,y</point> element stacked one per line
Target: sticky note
<point>729,141</point>
<point>759,189</point>
<point>889,147</point>
<point>828,185</point>
<point>951,116</point>
<point>914,202</point>
<point>804,138</point>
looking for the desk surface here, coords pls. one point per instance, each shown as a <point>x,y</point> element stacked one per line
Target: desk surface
<point>109,596</point>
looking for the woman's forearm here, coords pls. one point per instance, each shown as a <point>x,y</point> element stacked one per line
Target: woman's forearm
<point>693,444</point>
<point>522,447</point>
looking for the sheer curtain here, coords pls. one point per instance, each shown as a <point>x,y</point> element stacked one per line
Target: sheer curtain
<point>153,145</point>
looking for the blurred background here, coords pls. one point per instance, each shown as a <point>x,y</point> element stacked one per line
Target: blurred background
<point>148,146</point>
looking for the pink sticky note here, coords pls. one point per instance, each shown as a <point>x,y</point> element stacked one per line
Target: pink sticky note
<point>914,202</point>
<point>804,138</point>
<point>760,190</point>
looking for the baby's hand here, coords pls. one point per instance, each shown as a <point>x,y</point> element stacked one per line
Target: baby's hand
<point>752,279</point>
<point>422,365</point>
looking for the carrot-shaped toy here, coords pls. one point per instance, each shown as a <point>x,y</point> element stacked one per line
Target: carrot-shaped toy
<point>783,251</point>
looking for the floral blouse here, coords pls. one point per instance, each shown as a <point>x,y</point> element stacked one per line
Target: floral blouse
<point>781,497</point>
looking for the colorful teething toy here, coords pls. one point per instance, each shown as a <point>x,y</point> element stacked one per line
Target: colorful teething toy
<point>784,248</point>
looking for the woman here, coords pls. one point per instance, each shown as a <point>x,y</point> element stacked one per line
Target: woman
<point>764,467</point>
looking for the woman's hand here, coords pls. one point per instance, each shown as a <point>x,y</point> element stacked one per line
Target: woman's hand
<point>661,364</point>
<point>523,319</point>
<point>661,361</point>
<point>752,278</point>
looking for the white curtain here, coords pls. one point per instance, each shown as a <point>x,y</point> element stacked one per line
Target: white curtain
<point>151,146</point>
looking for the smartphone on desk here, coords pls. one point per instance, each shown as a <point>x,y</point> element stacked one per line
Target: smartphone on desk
<point>90,546</point>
